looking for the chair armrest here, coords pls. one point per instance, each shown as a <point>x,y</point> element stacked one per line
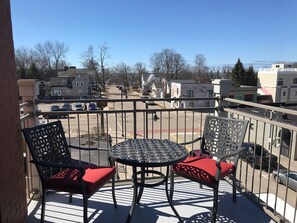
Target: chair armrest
<point>193,141</point>
<point>218,161</point>
<point>80,168</point>
<point>87,148</point>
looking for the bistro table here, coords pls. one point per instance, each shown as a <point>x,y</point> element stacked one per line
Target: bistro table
<point>144,153</point>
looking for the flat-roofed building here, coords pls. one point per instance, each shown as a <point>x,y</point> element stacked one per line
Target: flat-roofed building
<point>280,81</point>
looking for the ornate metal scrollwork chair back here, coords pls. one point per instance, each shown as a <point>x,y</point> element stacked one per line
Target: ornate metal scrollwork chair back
<point>217,158</point>
<point>58,171</point>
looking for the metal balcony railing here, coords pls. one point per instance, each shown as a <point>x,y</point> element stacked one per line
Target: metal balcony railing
<point>270,127</point>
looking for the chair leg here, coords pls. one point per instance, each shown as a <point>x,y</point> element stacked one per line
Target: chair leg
<point>70,198</point>
<point>43,204</point>
<point>234,187</point>
<point>85,200</point>
<point>215,203</point>
<point>171,184</point>
<point>113,192</point>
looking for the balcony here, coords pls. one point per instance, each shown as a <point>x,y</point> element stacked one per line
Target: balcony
<point>258,192</point>
<point>192,203</point>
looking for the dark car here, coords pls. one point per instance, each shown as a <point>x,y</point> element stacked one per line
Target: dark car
<point>259,157</point>
<point>92,106</point>
<point>66,107</point>
<point>282,178</point>
<point>54,108</point>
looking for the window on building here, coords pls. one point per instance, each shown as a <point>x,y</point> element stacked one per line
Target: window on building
<point>284,93</point>
<point>294,80</point>
<point>277,66</point>
<point>81,83</point>
<point>177,91</point>
<point>280,81</point>
<point>207,103</point>
<point>77,83</point>
<point>67,91</point>
<point>190,93</point>
<point>210,93</point>
<point>295,94</point>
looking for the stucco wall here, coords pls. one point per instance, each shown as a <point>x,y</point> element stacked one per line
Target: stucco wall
<point>13,206</point>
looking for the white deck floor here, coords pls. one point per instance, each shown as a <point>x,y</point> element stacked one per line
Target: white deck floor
<point>192,203</point>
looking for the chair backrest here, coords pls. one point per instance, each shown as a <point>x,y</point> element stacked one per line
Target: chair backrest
<point>223,135</point>
<point>47,143</point>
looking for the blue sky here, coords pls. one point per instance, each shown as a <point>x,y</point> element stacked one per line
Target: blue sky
<point>222,30</point>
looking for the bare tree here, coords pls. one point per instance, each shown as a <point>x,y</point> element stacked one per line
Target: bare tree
<point>103,56</point>
<point>124,73</point>
<point>139,70</point>
<point>44,53</point>
<point>89,61</point>
<point>178,66</point>
<point>200,64</point>
<point>23,58</point>
<point>97,64</point>
<point>51,56</point>
<point>59,51</point>
<point>168,63</point>
<point>227,71</point>
<point>201,69</point>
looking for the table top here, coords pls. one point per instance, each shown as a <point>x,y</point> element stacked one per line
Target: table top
<point>148,152</point>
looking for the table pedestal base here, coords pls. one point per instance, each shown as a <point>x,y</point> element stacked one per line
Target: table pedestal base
<point>137,194</point>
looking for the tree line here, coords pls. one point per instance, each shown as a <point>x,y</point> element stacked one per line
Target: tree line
<point>46,59</point>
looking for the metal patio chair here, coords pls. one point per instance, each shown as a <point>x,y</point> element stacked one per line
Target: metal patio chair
<point>217,157</point>
<point>58,171</point>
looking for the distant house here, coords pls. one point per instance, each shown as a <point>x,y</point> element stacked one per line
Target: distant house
<point>70,87</point>
<point>191,89</point>
<point>157,90</point>
<point>166,87</point>
<point>146,81</point>
<point>280,81</point>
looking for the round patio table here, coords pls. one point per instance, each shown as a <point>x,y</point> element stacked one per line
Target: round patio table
<point>144,153</point>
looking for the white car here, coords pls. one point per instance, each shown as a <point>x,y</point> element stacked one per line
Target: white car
<point>78,106</point>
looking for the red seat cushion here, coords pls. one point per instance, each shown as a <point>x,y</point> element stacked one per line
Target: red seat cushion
<point>202,169</point>
<point>68,180</point>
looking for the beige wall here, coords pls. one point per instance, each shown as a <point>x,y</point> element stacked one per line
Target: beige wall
<point>13,206</point>
<point>267,79</point>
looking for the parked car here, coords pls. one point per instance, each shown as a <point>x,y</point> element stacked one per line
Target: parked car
<point>92,106</point>
<point>255,159</point>
<point>150,102</point>
<point>283,176</point>
<point>66,107</point>
<point>78,106</point>
<point>54,108</point>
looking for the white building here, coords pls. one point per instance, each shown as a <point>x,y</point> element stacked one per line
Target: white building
<point>191,89</point>
<point>147,80</point>
<point>280,81</point>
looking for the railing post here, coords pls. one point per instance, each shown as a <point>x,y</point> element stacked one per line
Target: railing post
<point>28,91</point>
<point>134,120</point>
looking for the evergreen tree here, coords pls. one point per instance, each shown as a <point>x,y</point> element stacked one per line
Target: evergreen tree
<point>238,74</point>
<point>21,73</point>
<point>33,71</point>
<point>251,77</point>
